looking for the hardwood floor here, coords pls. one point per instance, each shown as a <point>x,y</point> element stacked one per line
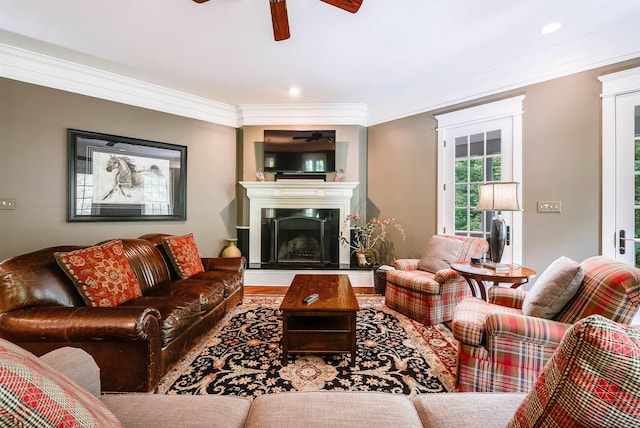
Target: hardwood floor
<point>270,289</point>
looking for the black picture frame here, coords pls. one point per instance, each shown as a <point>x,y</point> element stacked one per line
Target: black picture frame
<point>115,178</point>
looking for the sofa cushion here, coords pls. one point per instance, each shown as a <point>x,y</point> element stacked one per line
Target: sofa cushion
<point>101,273</point>
<point>34,395</point>
<point>208,293</point>
<point>592,379</point>
<point>231,280</point>
<point>322,409</point>
<point>35,279</point>
<point>553,289</point>
<point>184,255</point>
<point>184,411</point>
<point>439,253</point>
<point>470,410</point>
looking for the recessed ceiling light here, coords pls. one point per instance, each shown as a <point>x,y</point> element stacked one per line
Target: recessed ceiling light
<point>294,92</point>
<point>550,28</point>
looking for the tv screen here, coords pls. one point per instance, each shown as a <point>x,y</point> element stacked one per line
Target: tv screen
<point>300,151</point>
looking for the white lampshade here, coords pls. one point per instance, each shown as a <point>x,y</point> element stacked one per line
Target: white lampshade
<point>498,196</point>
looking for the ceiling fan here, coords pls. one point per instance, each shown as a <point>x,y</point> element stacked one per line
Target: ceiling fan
<point>315,136</point>
<point>280,19</point>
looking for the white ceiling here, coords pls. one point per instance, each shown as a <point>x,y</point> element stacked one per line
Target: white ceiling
<point>397,57</point>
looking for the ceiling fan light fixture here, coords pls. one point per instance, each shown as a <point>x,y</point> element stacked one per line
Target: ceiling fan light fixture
<point>279,19</point>
<point>348,5</point>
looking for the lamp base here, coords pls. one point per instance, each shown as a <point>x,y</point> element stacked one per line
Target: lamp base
<point>497,238</point>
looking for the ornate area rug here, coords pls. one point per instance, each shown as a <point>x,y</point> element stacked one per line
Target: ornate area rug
<point>242,356</point>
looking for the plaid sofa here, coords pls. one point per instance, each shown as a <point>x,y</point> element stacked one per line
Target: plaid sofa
<point>429,297</point>
<point>500,349</point>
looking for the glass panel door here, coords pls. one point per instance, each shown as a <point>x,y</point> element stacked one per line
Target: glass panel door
<point>628,178</point>
<point>478,159</point>
<point>476,145</point>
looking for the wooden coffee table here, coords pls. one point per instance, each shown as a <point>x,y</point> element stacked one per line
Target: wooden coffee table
<point>325,326</point>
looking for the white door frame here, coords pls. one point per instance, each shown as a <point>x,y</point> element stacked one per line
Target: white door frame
<point>613,85</point>
<point>510,109</point>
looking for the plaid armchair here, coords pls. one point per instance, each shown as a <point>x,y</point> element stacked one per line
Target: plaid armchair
<point>501,349</point>
<point>430,297</point>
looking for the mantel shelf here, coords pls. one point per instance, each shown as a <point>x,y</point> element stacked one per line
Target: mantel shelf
<point>305,187</point>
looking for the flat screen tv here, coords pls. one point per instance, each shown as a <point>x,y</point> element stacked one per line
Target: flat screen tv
<point>299,151</point>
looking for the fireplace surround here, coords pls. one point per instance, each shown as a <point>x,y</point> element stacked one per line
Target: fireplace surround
<point>312,199</point>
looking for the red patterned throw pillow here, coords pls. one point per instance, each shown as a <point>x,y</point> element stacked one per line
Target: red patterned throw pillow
<point>32,394</point>
<point>183,252</point>
<point>101,273</point>
<point>591,380</point>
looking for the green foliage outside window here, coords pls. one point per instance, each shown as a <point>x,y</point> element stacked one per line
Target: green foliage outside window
<point>469,172</point>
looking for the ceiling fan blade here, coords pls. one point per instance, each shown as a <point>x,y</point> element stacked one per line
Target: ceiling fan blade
<point>348,5</point>
<point>279,19</point>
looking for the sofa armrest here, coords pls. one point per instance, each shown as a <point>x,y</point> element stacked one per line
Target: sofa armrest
<point>77,365</point>
<point>71,324</point>
<point>406,264</point>
<point>509,297</point>
<point>235,264</point>
<point>446,275</point>
<point>522,328</point>
<point>125,341</point>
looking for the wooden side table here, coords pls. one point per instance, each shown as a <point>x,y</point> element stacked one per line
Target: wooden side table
<point>476,275</point>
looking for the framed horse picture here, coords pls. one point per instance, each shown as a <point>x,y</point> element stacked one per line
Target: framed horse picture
<point>114,178</point>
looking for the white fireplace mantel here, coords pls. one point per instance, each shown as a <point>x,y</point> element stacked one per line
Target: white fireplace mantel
<point>296,194</point>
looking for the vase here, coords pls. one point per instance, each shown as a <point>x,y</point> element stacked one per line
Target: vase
<point>364,258</point>
<point>231,250</point>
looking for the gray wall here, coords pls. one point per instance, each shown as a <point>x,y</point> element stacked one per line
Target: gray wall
<point>402,178</point>
<point>561,161</point>
<point>33,169</point>
<point>561,156</point>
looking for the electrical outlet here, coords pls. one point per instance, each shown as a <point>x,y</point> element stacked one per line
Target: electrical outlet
<point>7,204</point>
<point>549,206</point>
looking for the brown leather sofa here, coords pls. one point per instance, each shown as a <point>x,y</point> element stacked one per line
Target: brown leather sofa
<point>134,343</point>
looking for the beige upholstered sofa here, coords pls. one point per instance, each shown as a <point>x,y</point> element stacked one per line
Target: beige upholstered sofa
<point>592,380</point>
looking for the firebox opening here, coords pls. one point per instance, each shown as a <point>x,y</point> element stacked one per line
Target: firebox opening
<point>300,238</point>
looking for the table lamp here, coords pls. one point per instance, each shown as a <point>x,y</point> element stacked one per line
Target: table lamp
<point>498,196</point>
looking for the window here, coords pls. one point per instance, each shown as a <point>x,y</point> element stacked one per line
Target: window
<point>478,145</point>
<point>478,159</point>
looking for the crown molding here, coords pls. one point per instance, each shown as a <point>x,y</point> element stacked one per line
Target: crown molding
<point>32,67</point>
<point>43,70</point>
<point>303,114</point>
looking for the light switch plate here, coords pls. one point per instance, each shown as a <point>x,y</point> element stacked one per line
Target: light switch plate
<point>7,204</point>
<point>549,206</point>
